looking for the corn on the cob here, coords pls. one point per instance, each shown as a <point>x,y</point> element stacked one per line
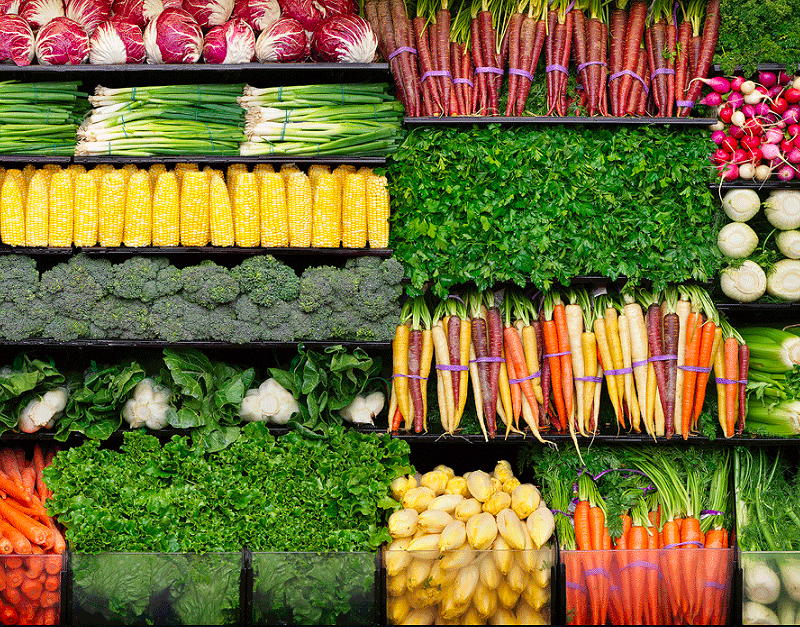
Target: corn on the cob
<point>261,169</point>
<point>27,173</point>
<point>138,211</point>
<point>274,219</point>
<point>222,231</point>
<point>60,221</point>
<point>51,168</point>
<point>111,208</point>
<point>99,170</point>
<point>287,169</point>
<point>327,212</point>
<point>156,170</point>
<point>299,209</point>
<point>166,210</point>
<point>342,171</point>
<point>12,209</point>
<point>377,211</point>
<point>246,219</point>
<point>85,210</point>
<point>315,171</point>
<point>230,176</point>
<point>354,211</point>
<point>194,218</point>
<point>37,209</point>
<point>76,169</point>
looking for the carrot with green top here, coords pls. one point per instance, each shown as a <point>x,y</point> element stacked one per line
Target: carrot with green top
<point>400,349</point>
<point>731,355</point>
<point>554,362</point>
<point>565,352</point>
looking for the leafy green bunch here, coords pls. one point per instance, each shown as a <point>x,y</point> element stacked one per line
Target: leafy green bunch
<point>542,205</point>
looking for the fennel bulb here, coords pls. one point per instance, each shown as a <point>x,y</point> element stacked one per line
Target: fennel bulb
<point>784,280</point>
<point>789,243</point>
<point>741,204</point>
<point>746,283</point>
<point>737,240</point>
<point>782,209</point>
<point>761,583</point>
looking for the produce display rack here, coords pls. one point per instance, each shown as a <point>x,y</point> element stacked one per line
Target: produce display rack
<point>204,251</point>
<point>756,185</point>
<point>556,120</point>
<point>200,344</point>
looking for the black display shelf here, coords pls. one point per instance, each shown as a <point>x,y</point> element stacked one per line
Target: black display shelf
<point>757,308</point>
<point>756,185</point>
<point>202,344</point>
<point>555,120</point>
<point>205,251</point>
<point>20,160</point>
<point>227,160</point>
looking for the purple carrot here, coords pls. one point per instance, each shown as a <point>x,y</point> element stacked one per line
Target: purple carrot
<point>671,326</point>
<point>454,352</point>
<point>744,367</point>
<point>481,350</point>
<point>654,342</point>
<point>414,357</point>
<point>494,326</point>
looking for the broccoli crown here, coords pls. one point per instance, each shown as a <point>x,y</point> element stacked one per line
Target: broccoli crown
<point>343,325</point>
<point>378,330</point>
<point>392,271</point>
<point>174,319</point>
<point>72,288</point>
<point>316,288</point>
<point>20,278</point>
<point>145,279</point>
<point>318,326</point>
<point>376,298</point>
<point>121,318</point>
<point>101,269</point>
<point>266,280</point>
<point>209,284</point>
<point>246,310</point>
<point>364,265</point>
<point>24,319</point>
<point>220,321</point>
<point>242,332</point>
<point>276,323</point>
<point>65,329</point>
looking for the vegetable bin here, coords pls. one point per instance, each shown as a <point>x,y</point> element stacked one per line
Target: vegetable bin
<point>315,589</point>
<point>156,588</point>
<point>771,588</point>
<point>502,587</point>
<point>677,586</point>
<point>31,586</point>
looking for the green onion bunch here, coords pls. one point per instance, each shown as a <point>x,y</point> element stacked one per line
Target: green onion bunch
<point>40,118</point>
<point>360,119</point>
<point>163,120</point>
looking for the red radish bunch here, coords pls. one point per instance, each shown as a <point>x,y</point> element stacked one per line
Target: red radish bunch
<point>758,132</point>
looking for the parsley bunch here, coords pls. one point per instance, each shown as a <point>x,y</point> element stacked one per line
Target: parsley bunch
<point>543,205</point>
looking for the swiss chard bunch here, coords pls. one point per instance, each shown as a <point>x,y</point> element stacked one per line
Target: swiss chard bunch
<point>325,382</point>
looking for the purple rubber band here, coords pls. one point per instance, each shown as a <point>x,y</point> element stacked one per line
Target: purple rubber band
<point>487,360</point>
<point>583,66</point>
<point>685,104</point>
<point>728,381</point>
<point>434,73</point>
<point>517,72</point>
<point>449,367</point>
<point>662,70</point>
<point>557,354</point>
<point>589,379</point>
<point>463,81</point>
<point>679,544</point>
<point>535,375</point>
<point>663,358</point>
<point>569,8</point>
<point>556,68</point>
<point>410,376</point>
<point>647,565</point>
<point>575,586</point>
<point>636,364</point>
<point>596,571</point>
<point>558,511</point>
<point>619,371</point>
<point>402,49</point>
<point>695,369</point>
<point>615,588</point>
<point>715,585</point>
<point>631,471</point>
<point>710,512</point>
<point>489,70</point>
<point>616,75</point>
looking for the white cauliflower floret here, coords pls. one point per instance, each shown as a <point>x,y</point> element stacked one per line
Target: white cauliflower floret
<point>148,406</point>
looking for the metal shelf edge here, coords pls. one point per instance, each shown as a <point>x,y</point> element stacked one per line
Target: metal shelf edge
<point>209,68</point>
<point>553,120</point>
<point>604,439</point>
<point>89,343</point>
<point>210,251</point>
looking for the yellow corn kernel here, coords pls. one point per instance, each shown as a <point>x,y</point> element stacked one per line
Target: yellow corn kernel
<point>74,170</point>
<point>287,169</point>
<point>156,170</point>
<point>327,212</point>
<point>222,232</point>
<point>230,176</point>
<point>60,220</point>
<point>315,171</point>
<point>354,211</point>
<point>194,209</point>
<point>182,168</point>
<point>37,209</point>
<point>51,168</point>
<point>166,210</point>
<point>85,210</point>
<point>377,211</point>
<point>17,175</point>
<point>12,210</point>
<point>214,172</point>
<point>274,221</point>
<point>343,170</point>
<point>365,171</point>
<point>99,170</point>
<point>27,173</point>
<point>138,211</point>
<point>299,209</point>
<point>246,218</point>
<point>111,208</point>
<point>2,174</point>
<point>263,168</point>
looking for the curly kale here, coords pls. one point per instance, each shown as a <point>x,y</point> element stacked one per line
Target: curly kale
<point>209,284</point>
<point>266,280</point>
<point>174,320</point>
<point>122,318</point>
<point>145,279</point>
<point>72,288</point>
<point>20,278</point>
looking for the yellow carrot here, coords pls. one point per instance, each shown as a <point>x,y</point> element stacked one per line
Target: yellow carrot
<point>615,346</point>
<point>400,370</point>
<point>476,390</point>
<point>444,390</point>
<point>531,357</point>
<point>630,392</point>
<point>574,317</point>
<point>504,396</point>
<point>683,308</point>
<point>464,345</point>
<point>605,356</point>
<point>719,373</point>
<point>589,349</point>
<point>425,371</point>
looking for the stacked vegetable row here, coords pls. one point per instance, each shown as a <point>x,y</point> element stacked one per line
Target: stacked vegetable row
<point>451,59</point>
<point>30,542</point>
<point>547,363</point>
<point>70,32</point>
<point>147,298</point>
<point>470,548</point>
<point>758,132</point>
<point>644,532</point>
<point>137,207</point>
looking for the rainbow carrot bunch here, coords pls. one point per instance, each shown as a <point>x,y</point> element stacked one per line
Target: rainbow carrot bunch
<point>30,579</point>
<point>451,341</point>
<point>731,364</point>
<point>412,352</point>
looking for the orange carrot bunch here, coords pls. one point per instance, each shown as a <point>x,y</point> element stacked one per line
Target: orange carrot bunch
<point>30,578</point>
